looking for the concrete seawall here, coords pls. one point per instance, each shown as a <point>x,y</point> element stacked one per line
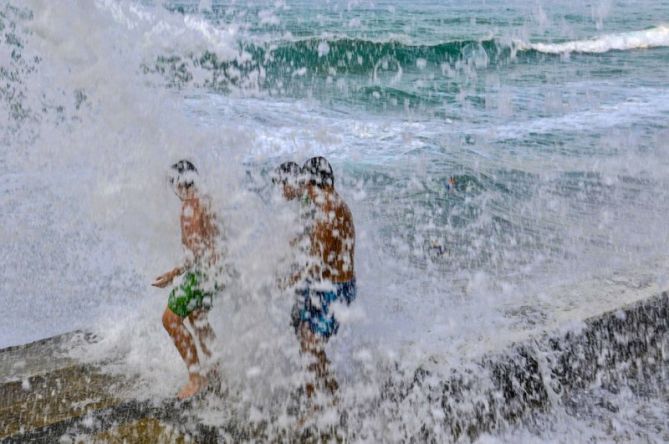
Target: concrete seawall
<point>47,396</point>
<point>625,347</point>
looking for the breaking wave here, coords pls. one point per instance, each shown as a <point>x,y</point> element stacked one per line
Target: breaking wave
<point>625,41</point>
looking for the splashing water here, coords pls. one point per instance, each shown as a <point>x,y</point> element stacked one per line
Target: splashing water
<point>554,131</point>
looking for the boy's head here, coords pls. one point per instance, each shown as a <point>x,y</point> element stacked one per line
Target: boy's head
<point>288,176</point>
<point>182,178</point>
<point>318,172</point>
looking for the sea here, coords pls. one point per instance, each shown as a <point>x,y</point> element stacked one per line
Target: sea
<point>492,154</point>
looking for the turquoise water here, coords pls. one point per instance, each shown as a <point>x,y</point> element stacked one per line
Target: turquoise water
<point>556,152</point>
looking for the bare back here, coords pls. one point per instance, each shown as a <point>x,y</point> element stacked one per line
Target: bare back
<point>333,239</point>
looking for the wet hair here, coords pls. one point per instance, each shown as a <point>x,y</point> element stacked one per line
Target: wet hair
<point>285,172</point>
<point>317,171</point>
<point>182,174</point>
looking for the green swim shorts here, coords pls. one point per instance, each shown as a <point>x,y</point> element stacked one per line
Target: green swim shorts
<point>189,295</point>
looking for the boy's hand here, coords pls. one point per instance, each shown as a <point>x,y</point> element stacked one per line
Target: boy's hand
<point>164,280</point>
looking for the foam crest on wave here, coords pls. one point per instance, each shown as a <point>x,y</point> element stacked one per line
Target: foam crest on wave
<point>649,38</point>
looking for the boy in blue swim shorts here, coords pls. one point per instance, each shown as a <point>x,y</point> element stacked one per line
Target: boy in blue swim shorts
<point>328,275</point>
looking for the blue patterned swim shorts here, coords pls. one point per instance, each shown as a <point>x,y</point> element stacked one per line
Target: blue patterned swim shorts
<point>313,307</point>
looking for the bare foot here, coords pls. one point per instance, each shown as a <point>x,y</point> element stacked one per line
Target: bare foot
<point>194,386</point>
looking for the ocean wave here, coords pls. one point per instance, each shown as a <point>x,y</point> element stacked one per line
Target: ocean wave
<point>355,54</point>
<point>649,38</point>
<point>264,65</point>
<point>363,55</point>
<point>295,61</point>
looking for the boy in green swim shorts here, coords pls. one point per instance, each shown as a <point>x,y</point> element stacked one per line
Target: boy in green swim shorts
<point>189,296</point>
<point>192,298</point>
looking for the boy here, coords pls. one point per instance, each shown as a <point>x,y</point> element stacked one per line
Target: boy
<point>193,297</point>
<point>329,274</point>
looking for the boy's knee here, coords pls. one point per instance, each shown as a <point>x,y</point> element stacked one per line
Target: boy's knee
<point>199,319</point>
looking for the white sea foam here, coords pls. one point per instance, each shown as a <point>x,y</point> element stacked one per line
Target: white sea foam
<point>649,38</point>
<point>650,105</point>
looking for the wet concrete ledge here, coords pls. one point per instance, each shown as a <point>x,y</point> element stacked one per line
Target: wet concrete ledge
<point>625,347</point>
<point>47,396</point>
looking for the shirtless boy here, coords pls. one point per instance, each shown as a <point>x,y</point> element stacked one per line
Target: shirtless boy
<point>191,299</point>
<point>329,274</point>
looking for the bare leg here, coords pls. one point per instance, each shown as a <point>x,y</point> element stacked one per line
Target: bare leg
<point>320,367</point>
<point>183,340</point>
<point>205,334</point>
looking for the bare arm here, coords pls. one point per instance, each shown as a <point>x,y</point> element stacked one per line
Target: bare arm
<point>165,279</point>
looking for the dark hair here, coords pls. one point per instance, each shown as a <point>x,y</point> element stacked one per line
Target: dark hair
<point>285,172</point>
<point>183,171</point>
<point>318,171</point>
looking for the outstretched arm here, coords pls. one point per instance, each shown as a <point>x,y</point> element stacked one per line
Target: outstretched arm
<point>165,279</point>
